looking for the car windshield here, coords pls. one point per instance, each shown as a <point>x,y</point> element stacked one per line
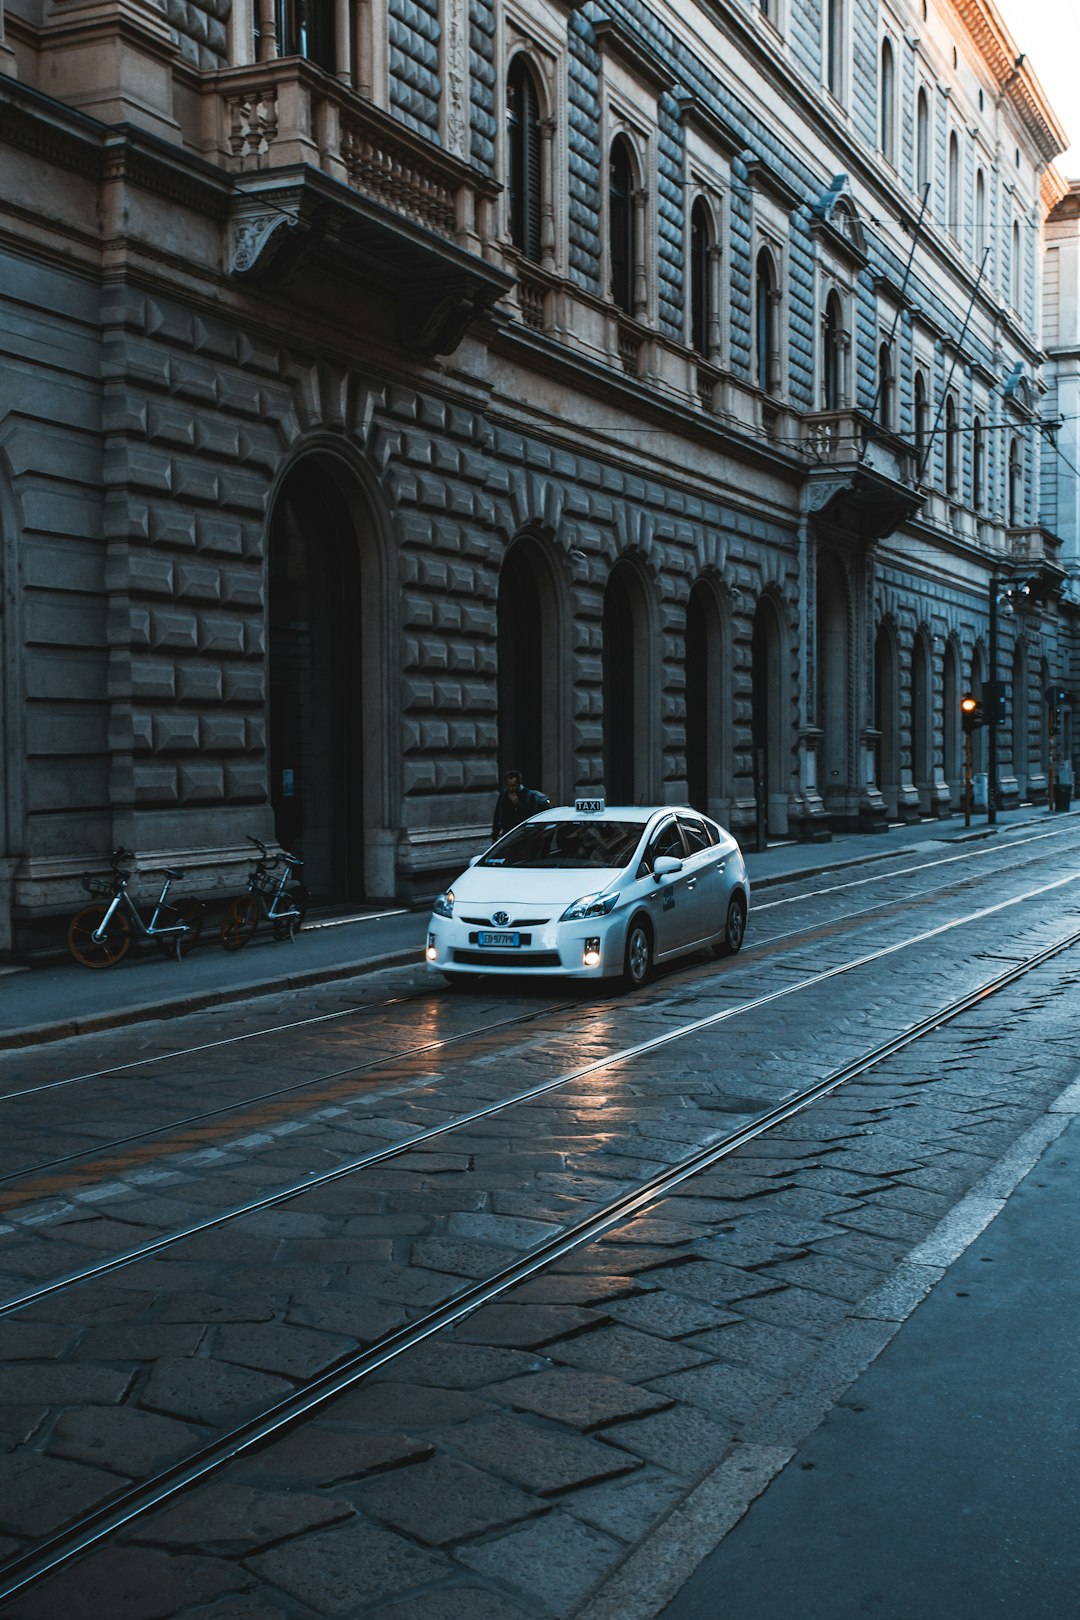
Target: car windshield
<point>567,844</point>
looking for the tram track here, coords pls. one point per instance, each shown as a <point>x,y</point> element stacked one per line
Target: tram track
<point>136,1501</point>
<point>459,1122</point>
<point>323,1019</point>
<point>100,1153</point>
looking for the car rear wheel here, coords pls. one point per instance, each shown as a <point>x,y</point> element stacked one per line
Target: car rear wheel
<point>734,928</point>
<point>637,961</point>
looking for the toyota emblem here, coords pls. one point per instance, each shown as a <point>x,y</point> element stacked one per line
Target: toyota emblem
<point>502,918</point>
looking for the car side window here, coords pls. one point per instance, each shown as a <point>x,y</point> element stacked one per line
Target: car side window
<point>696,834</point>
<point>666,840</point>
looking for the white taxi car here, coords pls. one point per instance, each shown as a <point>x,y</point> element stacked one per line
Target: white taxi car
<point>591,892</point>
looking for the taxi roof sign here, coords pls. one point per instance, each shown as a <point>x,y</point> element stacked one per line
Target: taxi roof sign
<point>589,807</point>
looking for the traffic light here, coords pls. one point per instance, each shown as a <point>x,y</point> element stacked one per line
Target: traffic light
<point>971,712</point>
<point>1056,696</point>
<point>994,700</point>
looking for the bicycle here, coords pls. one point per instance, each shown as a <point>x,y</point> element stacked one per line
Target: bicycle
<point>268,896</point>
<point>99,935</point>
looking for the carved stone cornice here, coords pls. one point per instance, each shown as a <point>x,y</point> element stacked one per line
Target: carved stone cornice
<point>1015,80</point>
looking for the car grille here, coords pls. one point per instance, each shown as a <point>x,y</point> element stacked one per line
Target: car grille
<point>515,922</point>
<point>525,960</point>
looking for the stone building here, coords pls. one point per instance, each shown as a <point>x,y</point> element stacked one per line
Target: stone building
<point>644,394</point>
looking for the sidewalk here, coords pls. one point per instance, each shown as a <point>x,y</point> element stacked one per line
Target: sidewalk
<point>61,999</point>
<point>944,1481</point>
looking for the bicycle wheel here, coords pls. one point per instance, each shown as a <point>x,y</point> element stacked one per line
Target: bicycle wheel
<point>239,922</point>
<point>190,913</point>
<point>297,899</point>
<point>98,953</point>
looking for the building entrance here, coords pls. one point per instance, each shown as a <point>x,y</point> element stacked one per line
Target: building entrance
<point>316,776</point>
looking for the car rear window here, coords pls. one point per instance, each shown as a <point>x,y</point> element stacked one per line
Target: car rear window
<point>567,844</point>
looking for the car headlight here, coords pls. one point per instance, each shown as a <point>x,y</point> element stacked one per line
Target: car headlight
<point>444,904</point>
<point>590,905</point>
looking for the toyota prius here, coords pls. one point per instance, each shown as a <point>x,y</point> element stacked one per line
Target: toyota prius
<point>593,892</point>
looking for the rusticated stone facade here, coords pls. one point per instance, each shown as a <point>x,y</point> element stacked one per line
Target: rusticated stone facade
<point>356,441</point>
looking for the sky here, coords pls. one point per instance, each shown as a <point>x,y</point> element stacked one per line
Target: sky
<point>1047,32</point>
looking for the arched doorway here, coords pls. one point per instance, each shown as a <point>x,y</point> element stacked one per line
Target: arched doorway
<point>1046,714</point>
<point>768,719</point>
<point>833,703</point>
<point>952,733</point>
<point>979,744</point>
<point>529,647</point>
<point>921,722</point>
<point>316,669</point>
<point>1020,760</point>
<point>885,718</point>
<point>627,686</point>
<point>707,728</point>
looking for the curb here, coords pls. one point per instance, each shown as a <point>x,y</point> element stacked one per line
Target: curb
<point>197,1001</point>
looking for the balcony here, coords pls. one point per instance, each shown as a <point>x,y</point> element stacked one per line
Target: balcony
<point>1034,547</point>
<point>860,476</point>
<point>321,172</point>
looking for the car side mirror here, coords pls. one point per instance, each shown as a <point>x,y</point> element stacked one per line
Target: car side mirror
<point>665,866</point>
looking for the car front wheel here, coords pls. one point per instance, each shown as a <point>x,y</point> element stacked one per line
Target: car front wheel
<point>637,962</point>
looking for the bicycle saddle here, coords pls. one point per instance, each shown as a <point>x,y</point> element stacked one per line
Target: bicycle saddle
<point>174,872</point>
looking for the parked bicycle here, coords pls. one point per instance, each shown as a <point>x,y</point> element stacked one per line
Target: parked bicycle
<point>99,935</point>
<point>278,898</point>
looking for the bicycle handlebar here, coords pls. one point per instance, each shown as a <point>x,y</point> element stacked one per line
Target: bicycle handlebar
<point>282,855</point>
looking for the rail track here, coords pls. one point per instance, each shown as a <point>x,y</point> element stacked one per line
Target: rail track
<point>134,1502</point>
<point>209,1051</point>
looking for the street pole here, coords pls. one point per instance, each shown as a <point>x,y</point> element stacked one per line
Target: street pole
<point>967,779</point>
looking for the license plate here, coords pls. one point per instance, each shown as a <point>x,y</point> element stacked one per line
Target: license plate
<point>498,939</point>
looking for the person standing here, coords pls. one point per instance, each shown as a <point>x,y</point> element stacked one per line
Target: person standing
<point>516,803</point>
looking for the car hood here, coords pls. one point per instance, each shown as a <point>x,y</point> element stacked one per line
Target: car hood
<point>548,889</point>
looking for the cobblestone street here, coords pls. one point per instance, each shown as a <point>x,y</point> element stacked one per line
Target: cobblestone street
<point>571,1446</point>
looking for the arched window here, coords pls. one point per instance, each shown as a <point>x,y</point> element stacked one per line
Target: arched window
<point>921,416</point>
<point>953,209</point>
<point>1016,485</point>
<point>1016,275</point>
<point>982,241</point>
<point>952,460</point>
<point>701,292</point>
<point>831,355</point>
<point>765,322</point>
<point>922,142</point>
<point>978,465</point>
<point>621,225</point>
<point>887,108</point>
<point>886,387</point>
<point>834,47</point>
<point>524,178</point>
